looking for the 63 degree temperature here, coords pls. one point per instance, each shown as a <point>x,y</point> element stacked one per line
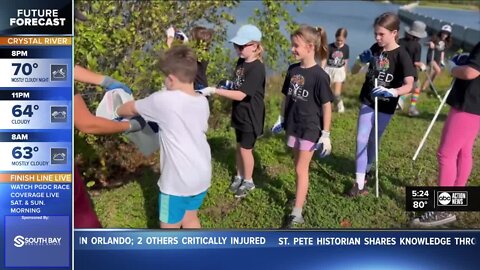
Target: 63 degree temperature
<point>23,152</point>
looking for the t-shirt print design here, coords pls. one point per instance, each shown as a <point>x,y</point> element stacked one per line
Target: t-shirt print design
<point>337,59</point>
<point>239,78</point>
<point>296,89</point>
<point>382,63</point>
<point>440,46</point>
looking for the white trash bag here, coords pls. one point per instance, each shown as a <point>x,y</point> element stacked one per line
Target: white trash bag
<point>146,140</point>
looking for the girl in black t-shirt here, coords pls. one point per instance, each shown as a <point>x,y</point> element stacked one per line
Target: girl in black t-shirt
<point>455,159</point>
<point>390,67</point>
<point>436,53</point>
<point>248,108</point>
<point>337,65</point>
<point>307,109</point>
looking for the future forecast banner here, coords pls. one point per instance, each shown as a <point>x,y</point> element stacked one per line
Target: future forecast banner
<point>36,133</point>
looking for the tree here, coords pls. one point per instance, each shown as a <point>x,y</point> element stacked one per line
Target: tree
<point>123,39</point>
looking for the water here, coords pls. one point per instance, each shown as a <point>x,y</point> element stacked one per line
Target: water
<point>356,16</point>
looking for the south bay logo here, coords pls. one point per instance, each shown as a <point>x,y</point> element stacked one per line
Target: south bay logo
<point>21,241</point>
<point>452,198</point>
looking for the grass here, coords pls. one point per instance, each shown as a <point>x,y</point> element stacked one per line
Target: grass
<point>134,205</point>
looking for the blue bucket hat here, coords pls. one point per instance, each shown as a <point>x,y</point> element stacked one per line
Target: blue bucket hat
<point>247,33</point>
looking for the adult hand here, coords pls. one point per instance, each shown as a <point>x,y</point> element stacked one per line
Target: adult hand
<point>278,126</point>
<point>381,91</point>
<point>324,145</point>
<point>207,91</point>
<point>137,123</point>
<point>365,56</point>
<point>109,84</point>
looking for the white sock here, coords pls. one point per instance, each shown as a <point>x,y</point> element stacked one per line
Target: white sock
<point>238,176</point>
<point>297,211</point>
<point>360,180</point>
<point>248,180</point>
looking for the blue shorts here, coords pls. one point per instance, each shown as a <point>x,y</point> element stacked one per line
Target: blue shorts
<point>172,208</point>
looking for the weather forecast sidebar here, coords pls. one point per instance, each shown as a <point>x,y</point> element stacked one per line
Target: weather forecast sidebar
<point>36,153</point>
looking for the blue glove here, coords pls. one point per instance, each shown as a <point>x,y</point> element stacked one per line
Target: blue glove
<point>109,84</point>
<point>381,91</point>
<point>225,84</point>
<point>457,60</point>
<point>137,123</point>
<point>365,56</point>
<point>278,126</point>
<point>460,59</point>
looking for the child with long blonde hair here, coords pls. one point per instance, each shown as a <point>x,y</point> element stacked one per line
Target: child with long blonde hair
<point>306,110</point>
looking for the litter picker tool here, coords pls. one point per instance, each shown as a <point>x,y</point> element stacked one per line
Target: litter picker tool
<point>432,122</point>
<point>427,73</point>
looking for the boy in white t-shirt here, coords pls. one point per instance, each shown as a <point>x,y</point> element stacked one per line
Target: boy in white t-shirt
<point>185,159</point>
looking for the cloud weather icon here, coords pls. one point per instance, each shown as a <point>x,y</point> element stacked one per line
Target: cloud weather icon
<point>59,115</point>
<point>59,156</point>
<point>59,74</point>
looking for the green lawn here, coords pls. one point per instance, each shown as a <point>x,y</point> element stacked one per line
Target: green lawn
<point>134,205</point>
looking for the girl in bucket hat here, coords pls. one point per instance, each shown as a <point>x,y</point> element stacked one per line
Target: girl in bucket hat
<point>436,52</point>
<point>412,45</point>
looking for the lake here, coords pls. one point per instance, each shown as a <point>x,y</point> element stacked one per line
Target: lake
<point>356,16</point>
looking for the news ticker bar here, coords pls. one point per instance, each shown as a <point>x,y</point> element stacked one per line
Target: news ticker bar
<point>164,240</point>
<point>442,198</point>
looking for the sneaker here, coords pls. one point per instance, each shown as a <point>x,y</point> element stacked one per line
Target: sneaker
<point>340,107</point>
<point>412,111</point>
<point>355,191</point>
<point>293,221</point>
<point>236,182</point>
<point>244,189</point>
<point>432,219</point>
<point>400,104</point>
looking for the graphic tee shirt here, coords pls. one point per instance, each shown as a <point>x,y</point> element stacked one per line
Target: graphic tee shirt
<point>185,160</point>
<point>337,56</point>
<point>248,115</point>
<point>413,49</point>
<point>389,68</point>
<point>306,90</point>
<point>465,94</point>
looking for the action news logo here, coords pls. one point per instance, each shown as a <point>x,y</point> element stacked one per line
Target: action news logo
<point>21,241</point>
<point>452,198</point>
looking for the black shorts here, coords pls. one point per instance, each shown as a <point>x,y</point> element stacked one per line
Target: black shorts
<point>245,139</point>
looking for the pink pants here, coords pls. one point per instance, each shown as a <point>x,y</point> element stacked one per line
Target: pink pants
<point>456,146</point>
